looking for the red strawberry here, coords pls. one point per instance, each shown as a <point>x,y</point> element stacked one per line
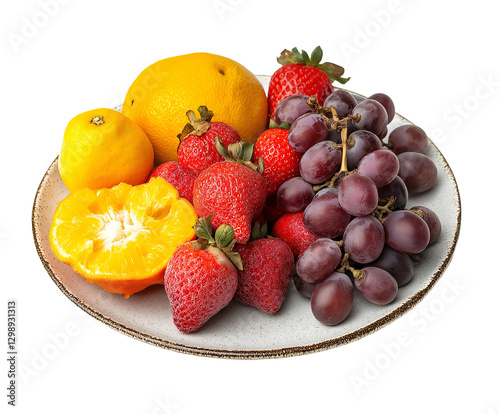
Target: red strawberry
<point>267,270</point>
<point>272,212</point>
<point>233,193</point>
<point>200,278</point>
<point>302,75</point>
<point>181,179</point>
<point>290,228</point>
<point>197,149</point>
<point>281,161</point>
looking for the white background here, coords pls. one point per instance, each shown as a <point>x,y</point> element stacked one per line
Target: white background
<point>437,60</point>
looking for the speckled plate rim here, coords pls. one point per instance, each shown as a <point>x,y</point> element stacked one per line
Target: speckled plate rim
<point>411,302</point>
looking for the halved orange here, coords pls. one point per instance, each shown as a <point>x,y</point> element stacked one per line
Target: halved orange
<point>121,238</point>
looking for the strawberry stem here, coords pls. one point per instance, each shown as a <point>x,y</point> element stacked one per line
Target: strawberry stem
<point>196,126</point>
<point>333,71</point>
<point>224,239</point>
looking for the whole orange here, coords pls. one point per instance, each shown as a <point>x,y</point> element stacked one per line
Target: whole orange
<point>163,92</point>
<point>102,148</point>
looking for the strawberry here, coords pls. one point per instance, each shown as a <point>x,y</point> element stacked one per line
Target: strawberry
<point>181,179</point>
<point>267,270</point>
<point>197,149</point>
<point>233,194</point>
<point>281,161</point>
<point>272,212</point>
<point>290,228</point>
<point>201,277</point>
<point>302,75</point>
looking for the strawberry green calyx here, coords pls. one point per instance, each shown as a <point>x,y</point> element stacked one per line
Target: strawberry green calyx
<point>196,126</point>
<point>240,152</point>
<point>258,231</point>
<point>333,71</point>
<point>223,239</point>
<point>283,125</point>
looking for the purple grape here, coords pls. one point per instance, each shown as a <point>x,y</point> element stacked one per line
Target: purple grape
<point>324,217</point>
<point>342,101</point>
<point>303,287</point>
<point>364,239</point>
<point>407,138</point>
<point>319,260</point>
<point>377,285</point>
<point>418,171</point>
<point>398,264</point>
<point>381,166</point>
<point>325,190</point>
<point>360,143</point>
<point>320,162</point>
<point>432,220</point>
<point>306,131</point>
<point>383,134</point>
<point>358,195</point>
<point>373,116</point>
<point>331,299</point>
<point>406,232</point>
<point>387,103</point>
<point>290,108</point>
<point>397,189</point>
<point>294,195</point>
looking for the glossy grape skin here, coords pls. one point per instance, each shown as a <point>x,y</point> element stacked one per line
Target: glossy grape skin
<point>406,232</point>
<point>290,108</point>
<point>320,162</point>
<point>324,217</point>
<point>373,116</point>
<point>398,264</point>
<point>407,138</point>
<point>303,287</point>
<point>318,261</point>
<point>383,134</point>
<point>342,101</point>
<point>332,299</point>
<point>364,239</point>
<point>397,189</point>
<point>358,195</point>
<point>294,195</point>
<point>359,144</point>
<point>377,286</point>
<point>333,190</point>
<point>432,220</point>
<point>306,131</point>
<point>418,171</point>
<point>387,103</point>
<point>381,166</point>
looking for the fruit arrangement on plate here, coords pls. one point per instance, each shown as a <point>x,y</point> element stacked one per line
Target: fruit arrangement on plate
<point>207,185</point>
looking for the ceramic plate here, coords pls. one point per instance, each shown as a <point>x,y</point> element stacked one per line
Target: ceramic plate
<point>240,331</point>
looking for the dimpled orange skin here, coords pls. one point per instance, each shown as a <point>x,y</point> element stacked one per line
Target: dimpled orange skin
<point>162,94</point>
<point>102,148</point>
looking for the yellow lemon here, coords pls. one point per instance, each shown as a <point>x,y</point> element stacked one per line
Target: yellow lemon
<point>162,94</point>
<point>102,148</point>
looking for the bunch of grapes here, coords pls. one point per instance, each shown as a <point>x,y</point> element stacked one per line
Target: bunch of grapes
<point>355,178</point>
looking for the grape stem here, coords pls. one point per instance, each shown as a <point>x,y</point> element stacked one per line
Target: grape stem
<point>342,125</point>
<point>344,265</point>
<point>385,209</point>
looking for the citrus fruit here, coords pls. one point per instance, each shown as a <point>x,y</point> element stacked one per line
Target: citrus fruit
<point>102,148</point>
<point>163,92</point>
<point>121,238</point>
